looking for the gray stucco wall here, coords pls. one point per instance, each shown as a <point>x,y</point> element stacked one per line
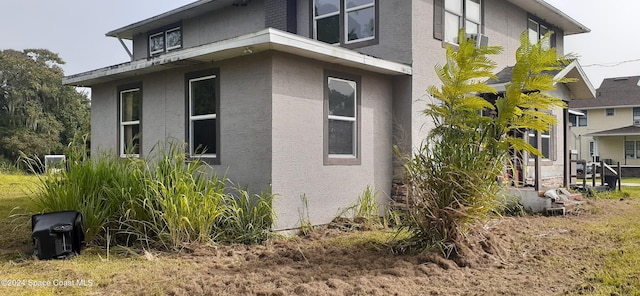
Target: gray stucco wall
<point>298,168</point>
<point>244,116</point>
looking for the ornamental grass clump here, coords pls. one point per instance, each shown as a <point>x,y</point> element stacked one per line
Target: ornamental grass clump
<point>453,177</point>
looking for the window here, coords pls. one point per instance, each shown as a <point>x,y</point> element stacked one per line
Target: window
<point>545,139</point>
<point>459,14</point>
<point>342,108</point>
<point>592,148</point>
<point>609,111</point>
<point>578,120</point>
<point>164,40</point>
<point>632,149</point>
<point>203,122</point>
<point>636,116</point>
<point>130,103</point>
<point>536,31</point>
<point>452,15</point>
<point>344,22</point>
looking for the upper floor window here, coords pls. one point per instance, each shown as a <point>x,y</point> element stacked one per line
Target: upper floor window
<point>536,31</point>
<point>165,40</point>
<point>609,111</point>
<point>342,106</point>
<point>636,116</point>
<point>130,101</point>
<point>578,120</point>
<point>460,14</point>
<point>344,22</point>
<point>203,122</point>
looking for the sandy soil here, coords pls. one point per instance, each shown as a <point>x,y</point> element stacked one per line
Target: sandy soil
<point>532,255</point>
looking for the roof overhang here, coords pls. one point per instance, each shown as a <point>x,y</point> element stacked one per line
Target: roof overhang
<point>580,89</point>
<point>552,15</point>
<point>617,132</point>
<point>173,16</point>
<point>264,40</point>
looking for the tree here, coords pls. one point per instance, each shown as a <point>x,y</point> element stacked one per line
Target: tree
<point>38,115</point>
<point>453,178</point>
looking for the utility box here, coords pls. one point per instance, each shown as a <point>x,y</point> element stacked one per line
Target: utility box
<point>57,234</point>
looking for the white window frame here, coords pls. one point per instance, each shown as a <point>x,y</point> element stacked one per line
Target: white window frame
<point>462,20</point>
<point>540,27</point>
<point>165,47</point>
<point>166,39</point>
<point>353,119</point>
<point>607,113</point>
<point>164,43</point>
<point>636,149</point>
<point>123,124</point>
<point>635,117</point>
<point>193,118</point>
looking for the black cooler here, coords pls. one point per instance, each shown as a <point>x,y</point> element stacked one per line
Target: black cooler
<point>57,234</point>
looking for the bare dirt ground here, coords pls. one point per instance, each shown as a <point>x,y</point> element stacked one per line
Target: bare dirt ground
<point>533,255</point>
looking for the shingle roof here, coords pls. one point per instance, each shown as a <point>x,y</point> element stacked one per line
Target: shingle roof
<point>613,92</point>
<point>631,130</point>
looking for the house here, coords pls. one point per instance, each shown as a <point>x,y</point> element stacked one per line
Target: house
<point>608,127</point>
<point>308,96</point>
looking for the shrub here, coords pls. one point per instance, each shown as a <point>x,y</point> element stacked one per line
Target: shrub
<point>245,218</point>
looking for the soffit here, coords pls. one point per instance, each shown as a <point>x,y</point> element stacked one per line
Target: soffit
<point>552,15</point>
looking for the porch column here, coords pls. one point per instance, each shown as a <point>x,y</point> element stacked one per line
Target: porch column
<point>565,143</point>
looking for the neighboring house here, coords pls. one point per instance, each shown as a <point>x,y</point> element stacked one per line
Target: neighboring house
<point>608,127</point>
<point>308,96</point>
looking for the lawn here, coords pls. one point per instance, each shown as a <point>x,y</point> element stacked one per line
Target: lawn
<point>592,251</point>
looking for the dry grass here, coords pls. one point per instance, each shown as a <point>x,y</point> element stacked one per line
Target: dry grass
<point>592,252</point>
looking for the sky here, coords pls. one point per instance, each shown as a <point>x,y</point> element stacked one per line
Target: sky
<point>75,29</point>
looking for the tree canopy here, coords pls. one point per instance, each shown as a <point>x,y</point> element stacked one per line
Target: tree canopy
<point>38,115</point>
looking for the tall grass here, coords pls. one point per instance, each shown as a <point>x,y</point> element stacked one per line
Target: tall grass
<point>166,201</point>
<point>246,218</point>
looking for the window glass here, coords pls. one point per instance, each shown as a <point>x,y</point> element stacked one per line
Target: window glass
<point>130,105</point>
<point>344,21</point>
<point>204,136</point>
<point>472,11</point>
<point>202,105</point>
<point>533,32</point>
<point>454,6</point>
<point>341,118</point>
<point>156,43</point>
<point>356,3</point>
<point>131,139</point>
<point>328,29</point>
<point>582,120</point>
<point>361,24</point>
<point>341,137</point>
<point>609,111</point>
<point>130,101</point>
<point>203,96</point>
<point>452,25</point>
<point>637,149</point>
<point>174,38</point>
<point>323,7</point>
<point>342,96</point>
<point>629,149</point>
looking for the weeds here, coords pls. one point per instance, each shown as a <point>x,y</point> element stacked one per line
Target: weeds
<point>167,202</point>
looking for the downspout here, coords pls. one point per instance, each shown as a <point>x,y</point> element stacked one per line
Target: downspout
<point>125,47</point>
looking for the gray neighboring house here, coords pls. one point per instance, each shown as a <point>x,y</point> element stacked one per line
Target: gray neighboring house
<point>306,96</point>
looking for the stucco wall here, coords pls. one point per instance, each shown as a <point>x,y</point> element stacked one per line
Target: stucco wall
<point>244,116</point>
<point>228,22</point>
<point>298,168</point>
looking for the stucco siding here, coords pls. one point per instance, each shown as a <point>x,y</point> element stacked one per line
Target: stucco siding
<point>298,167</point>
<point>104,119</point>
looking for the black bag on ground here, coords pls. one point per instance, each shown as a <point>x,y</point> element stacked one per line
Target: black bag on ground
<point>57,234</point>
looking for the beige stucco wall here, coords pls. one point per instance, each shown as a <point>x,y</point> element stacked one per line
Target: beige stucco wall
<point>606,147</point>
<point>298,169</point>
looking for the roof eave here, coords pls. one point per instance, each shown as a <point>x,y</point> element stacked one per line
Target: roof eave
<point>264,40</point>
<point>552,15</point>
